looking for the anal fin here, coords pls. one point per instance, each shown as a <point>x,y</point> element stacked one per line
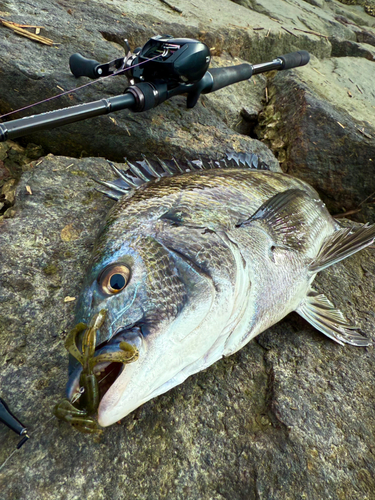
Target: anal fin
<point>321,313</point>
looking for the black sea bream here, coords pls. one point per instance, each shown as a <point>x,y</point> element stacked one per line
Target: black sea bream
<point>188,268</point>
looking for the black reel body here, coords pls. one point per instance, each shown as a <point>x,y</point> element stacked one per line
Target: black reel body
<point>181,60</point>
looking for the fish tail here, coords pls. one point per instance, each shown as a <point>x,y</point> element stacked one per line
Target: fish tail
<point>342,244</point>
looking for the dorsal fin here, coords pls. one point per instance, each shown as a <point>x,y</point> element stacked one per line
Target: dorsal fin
<point>147,170</point>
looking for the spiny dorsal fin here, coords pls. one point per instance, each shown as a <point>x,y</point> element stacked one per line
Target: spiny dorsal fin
<point>137,171</point>
<point>277,217</point>
<point>147,170</point>
<point>342,244</point>
<point>321,313</point>
<point>124,176</point>
<point>112,190</point>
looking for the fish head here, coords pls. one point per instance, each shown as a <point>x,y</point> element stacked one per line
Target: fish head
<point>154,300</point>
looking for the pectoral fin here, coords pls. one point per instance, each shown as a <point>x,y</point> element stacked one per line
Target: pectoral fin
<point>280,217</point>
<point>342,244</point>
<point>321,313</point>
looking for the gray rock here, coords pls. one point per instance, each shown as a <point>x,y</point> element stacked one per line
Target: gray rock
<point>347,48</point>
<point>320,123</point>
<point>291,416</point>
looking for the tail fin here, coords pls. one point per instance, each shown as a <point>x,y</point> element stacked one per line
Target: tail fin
<point>342,244</point>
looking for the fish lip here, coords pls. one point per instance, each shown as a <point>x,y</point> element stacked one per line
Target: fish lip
<point>131,334</point>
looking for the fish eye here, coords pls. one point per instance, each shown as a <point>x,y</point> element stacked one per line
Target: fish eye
<point>114,278</point>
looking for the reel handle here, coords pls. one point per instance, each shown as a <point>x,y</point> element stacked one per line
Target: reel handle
<point>80,66</point>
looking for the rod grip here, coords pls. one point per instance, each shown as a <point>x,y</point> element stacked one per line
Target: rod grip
<point>80,66</point>
<point>226,76</point>
<point>295,59</point>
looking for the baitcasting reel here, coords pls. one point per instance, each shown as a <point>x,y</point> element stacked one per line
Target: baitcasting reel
<point>172,60</point>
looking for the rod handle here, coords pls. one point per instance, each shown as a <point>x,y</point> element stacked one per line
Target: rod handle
<point>295,59</point>
<point>80,66</point>
<point>222,77</point>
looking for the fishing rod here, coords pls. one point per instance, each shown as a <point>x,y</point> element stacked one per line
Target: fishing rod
<point>163,68</point>
<point>11,421</point>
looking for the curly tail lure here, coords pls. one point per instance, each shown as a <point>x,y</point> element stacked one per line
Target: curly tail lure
<point>85,404</point>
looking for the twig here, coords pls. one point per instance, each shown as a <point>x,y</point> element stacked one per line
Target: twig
<point>27,34</point>
<point>25,25</point>
<point>368,197</point>
<point>237,26</point>
<point>364,133</point>
<point>356,210</point>
<point>350,212</point>
<point>318,72</point>
<point>312,33</point>
<point>176,9</point>
<point>290,32</point>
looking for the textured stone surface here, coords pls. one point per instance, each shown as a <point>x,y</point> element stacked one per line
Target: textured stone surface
<point>291,416</point>
<point>320,124</point>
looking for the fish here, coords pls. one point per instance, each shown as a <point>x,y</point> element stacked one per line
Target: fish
<point>192,262</point>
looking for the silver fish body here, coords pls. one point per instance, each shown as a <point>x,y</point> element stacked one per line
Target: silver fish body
<point>190,267</point>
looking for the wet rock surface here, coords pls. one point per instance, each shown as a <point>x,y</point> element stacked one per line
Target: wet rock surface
<point>291,416</point>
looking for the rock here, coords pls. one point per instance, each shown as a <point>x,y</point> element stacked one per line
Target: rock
<point>14,159</point>
<point>347,48</point>
<point>290,416</point>
<point>320,124</point>
<point>4,172</point>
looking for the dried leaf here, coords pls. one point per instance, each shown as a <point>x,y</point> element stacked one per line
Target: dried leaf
<point>69,299</point>
<point>28,190</point>
<point>69,233</point>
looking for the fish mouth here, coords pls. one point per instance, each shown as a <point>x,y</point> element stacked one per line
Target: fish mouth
<point>107,372</point>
